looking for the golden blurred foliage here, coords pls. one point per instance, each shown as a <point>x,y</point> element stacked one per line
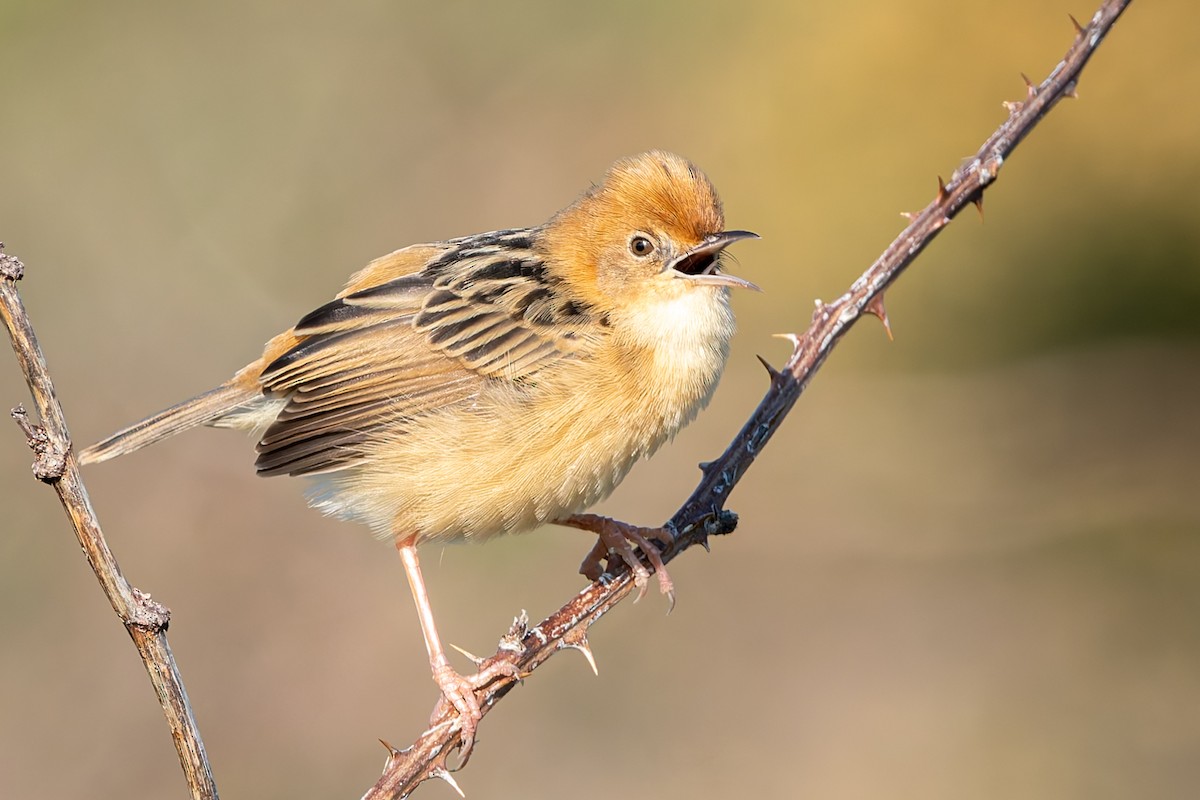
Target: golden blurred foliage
<point>967,567</point>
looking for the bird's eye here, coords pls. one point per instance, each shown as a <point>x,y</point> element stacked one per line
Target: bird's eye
<point>641,246</point>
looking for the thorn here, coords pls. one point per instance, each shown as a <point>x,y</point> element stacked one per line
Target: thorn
<point>443,774</point>
<point>978,201</point>
<point>791,337</point>
<point>875,306</point>
<point>909,215</point>
<point>774,373</point>
<point>474,658</point>
<point>1079,31</point>
<point>393,754</point>
<point>705,466</point>
<point>1030,90</point>
<point>1014,107</point>
<point>1070,91</point>
<point>576,639</point>
<point>942,193</point>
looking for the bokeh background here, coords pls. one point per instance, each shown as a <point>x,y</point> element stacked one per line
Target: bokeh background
<point>969,565</point>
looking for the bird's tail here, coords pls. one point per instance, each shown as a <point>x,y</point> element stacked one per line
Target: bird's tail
<point>204,409</point>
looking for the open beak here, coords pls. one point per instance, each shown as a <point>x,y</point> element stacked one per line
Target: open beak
<point>701,264</point>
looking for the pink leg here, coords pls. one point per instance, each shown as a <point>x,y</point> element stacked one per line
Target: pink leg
<point>619,538</point>
<point>457,690</point>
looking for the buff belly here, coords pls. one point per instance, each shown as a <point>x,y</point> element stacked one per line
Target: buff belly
<point>477,472</point>
<point>521,455</point>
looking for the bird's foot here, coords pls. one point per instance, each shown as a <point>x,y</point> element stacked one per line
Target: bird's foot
<point>458,692</point>
<point>619,538</point>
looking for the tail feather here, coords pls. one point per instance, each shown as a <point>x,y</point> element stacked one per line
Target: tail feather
<point>204,409</point>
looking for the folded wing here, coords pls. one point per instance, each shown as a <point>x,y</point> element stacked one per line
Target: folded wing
<point>383,354</point>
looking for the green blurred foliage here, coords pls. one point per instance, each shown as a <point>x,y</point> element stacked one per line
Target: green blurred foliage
<point>968,564</point>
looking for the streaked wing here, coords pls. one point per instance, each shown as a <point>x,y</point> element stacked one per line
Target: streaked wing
<point>381,355</point>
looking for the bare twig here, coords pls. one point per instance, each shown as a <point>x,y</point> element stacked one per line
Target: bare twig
<point>145,619</point>
<point>701,514</point>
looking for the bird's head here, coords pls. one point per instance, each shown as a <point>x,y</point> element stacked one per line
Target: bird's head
<point>652,230</point>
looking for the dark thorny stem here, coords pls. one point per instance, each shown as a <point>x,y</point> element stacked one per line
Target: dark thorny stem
<point>703,514</point>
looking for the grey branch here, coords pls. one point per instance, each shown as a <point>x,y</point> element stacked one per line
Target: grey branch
<point>145,619</point>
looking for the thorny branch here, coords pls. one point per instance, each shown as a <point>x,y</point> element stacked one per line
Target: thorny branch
<point>701,515</point>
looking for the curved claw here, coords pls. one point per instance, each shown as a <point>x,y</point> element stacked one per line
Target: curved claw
<point>619,538</point>
<point>458,692</point>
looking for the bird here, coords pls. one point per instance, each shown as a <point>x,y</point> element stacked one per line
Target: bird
<point>487,384</point>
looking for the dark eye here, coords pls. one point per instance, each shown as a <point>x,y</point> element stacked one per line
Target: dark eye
<point>641,246</point>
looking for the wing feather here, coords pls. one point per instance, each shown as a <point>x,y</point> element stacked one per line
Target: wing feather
<point>395,346</point>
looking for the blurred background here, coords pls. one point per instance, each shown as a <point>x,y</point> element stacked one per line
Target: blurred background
<point>967,567</point>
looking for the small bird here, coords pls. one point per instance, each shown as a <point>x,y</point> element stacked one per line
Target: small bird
<point>487,384</point>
